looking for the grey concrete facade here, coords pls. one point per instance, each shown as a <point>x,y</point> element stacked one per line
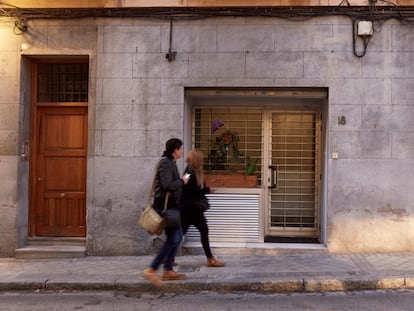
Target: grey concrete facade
<point>137,102</point>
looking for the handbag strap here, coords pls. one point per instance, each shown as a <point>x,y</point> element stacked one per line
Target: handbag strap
<point>166,201</point>
<point>153,187</point>
<point>153,182</point>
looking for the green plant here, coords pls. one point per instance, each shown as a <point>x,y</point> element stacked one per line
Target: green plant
<point>251,166</point>
<point>224,148</point>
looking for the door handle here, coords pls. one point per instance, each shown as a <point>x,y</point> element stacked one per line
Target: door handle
<point>273,176</point>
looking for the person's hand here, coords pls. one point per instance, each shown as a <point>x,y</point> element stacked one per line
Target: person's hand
<point>185,178</point>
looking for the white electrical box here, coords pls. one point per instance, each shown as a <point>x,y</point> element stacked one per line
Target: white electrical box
<point>365,28</point>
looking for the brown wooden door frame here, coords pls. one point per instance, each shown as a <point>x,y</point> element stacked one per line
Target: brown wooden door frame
<point>80,109</point>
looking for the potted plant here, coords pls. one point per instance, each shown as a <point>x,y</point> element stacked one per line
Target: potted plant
<point>226,162</point>
<point>224,149</point>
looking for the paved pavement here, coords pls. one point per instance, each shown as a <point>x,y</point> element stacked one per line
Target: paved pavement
<point>301,272</point>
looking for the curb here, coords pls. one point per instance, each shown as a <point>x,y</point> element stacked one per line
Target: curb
<point>306,285</point>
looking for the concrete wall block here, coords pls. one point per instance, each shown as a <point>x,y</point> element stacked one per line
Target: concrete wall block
<point>381,40</point>
<point>7,219</point>
<point>9,117</point>
<point>8,142</point>
<point>370,233</point>
<point>98,94</point>
<point>196,38</point>
<point>351,115</point>
<point>128,91</point>
<point>360,91</point>
<point>97,150</point>
<point>377,117</point>
<point>116,176</point>
<point>146,143</point>
<point>116,245</point>
<point>114,66</point>
<point>217,64</point>
<point>388,65</point>
<point>147,90</point>
<point>155,65</point>
<point>402,91</point>
<point>114,117</point>
<point>172,90</point>
<point>36,37</point>
<point>118,91</point>
<point>309,38</point>
<point>9,64</point>
<point>402,65</point>
<point>391,118</point>
<point>246,82</point>
<point>361,145</point>
<point>131,39</point>
<point>8,181</point>
<point>12,85</point>
<point>369,186</point>
<point>402,38</point>
<point>7,244</point>
<point>402,118</point>
<point>240,38</point>
<point>332,65</point>
<point>118,143</point>
<point>74,37</point>
<point>402,145</point>
<point>376,64</point>
<point>152,117</point>
<point>277,65</point>
<point>302,82</point>
<point>9,41</point>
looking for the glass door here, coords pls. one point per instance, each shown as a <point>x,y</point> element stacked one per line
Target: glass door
<point>293,174</point>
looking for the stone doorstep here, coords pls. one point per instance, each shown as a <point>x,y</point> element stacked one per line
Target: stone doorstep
<point>51,247</point>
<point>49,251</point>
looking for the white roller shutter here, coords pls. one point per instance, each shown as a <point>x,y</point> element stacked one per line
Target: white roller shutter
<point>231,218</point>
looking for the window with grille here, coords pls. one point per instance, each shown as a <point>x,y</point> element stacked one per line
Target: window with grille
<point>62,82</point>
<point>231,139</point>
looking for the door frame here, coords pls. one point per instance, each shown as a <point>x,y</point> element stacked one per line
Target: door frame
<point>34,135</point>
<point>269,98</point>
<point>292,232</point>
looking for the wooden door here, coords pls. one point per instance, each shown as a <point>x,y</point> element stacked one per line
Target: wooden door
<point>59,179</point>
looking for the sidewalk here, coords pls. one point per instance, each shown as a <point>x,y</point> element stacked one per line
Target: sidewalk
<point>302,272</point>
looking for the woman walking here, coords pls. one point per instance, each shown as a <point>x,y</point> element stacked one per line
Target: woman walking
<point>191,214</point>
<point>167,179</point>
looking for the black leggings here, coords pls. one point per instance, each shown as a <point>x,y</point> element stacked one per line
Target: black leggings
<point>195,217</point>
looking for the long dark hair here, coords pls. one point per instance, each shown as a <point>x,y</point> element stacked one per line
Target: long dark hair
<point>171,145</point>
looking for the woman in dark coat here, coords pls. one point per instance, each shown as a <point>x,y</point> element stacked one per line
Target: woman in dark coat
<point>191,193</point>
<point>167,179</point>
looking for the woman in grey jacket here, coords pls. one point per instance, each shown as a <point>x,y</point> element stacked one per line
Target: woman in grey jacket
<point>168,179</point>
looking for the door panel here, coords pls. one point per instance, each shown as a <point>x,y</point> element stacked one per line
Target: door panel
<point>293,163</point>
<point>60,173</point>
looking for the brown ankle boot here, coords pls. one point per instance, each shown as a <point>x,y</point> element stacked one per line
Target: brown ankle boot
<point>151,275</point>
<point>171,275</point>
<point>213,262</point>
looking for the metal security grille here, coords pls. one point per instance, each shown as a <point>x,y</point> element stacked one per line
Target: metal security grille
<point>62,82</point>
<point>294,141</point>
<point>231,218</point>
<point>231,138</point>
